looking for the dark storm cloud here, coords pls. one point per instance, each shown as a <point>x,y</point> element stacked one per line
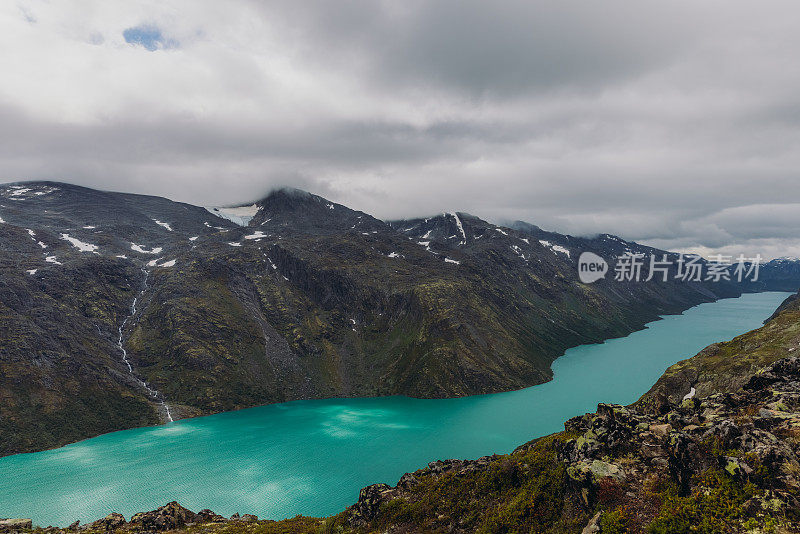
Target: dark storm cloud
<point>677,124</point>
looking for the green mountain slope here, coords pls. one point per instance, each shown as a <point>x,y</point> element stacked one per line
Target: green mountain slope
<point>308,299</point>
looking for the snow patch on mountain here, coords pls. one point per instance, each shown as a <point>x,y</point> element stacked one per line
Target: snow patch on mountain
<point>554,248</point>
<point>257,235</point>
<point>19,192</point>
<point>241,215</point>
<point>80,245</point>
<point>163,224</point>
<point>518,252</point>
<point>460,229</point>
<point>142,250</point>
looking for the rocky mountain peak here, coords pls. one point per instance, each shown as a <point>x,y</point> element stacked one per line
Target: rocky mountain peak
<point>455,229</point>
<point>289,210</point>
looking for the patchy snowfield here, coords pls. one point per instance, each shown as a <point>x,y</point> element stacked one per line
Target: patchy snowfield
<point>427,245</point>
<point>52,259</point>
<point>21,192</point>
<point>554,248</point>
<point>163,224</point>
<point>518,252</point>
<point>142,250</point>
<point>448,260</point>
<point>80,245</point>
<point>241,215</point>
<point>460,229</point>
<point>170,263</point>
<point>257,235</point>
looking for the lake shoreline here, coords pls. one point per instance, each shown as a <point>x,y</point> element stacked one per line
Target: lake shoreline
<point>284,458</point>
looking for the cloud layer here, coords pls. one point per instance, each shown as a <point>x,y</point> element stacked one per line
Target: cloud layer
<point>673,124</point>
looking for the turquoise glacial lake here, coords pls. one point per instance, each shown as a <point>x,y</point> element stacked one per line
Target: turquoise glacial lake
<point>312,457</point>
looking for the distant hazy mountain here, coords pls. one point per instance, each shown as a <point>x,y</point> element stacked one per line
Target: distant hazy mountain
<point>121,310</point>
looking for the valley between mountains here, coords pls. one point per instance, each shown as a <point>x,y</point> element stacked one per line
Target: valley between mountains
<point>120,310</point>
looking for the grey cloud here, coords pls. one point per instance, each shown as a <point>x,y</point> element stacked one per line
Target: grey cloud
<point>495,50</point>
<point>674,124</point>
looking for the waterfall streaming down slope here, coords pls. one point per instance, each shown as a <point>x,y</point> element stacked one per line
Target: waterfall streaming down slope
<point>155,394</point>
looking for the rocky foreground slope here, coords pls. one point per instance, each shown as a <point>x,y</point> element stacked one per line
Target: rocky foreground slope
<point>720,455</point>
<point>121,310</point>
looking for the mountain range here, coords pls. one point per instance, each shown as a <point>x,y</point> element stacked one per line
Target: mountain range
<point>121,310</point>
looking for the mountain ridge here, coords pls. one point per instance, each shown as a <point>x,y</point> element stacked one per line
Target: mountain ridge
<point>309,300</point>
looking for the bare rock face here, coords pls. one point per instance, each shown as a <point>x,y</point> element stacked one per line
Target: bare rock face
<point>593,527</point>
<point>208,516</point>
<point>168,517</point>
<point>369,500</point>
<point>110,522</point>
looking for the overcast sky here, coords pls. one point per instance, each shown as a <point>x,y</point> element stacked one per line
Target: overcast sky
<point>672,123</point>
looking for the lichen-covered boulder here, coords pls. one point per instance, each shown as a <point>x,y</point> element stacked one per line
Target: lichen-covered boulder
<point>168,517</point>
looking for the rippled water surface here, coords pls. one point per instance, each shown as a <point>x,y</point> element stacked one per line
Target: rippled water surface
<point>312,457</point>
